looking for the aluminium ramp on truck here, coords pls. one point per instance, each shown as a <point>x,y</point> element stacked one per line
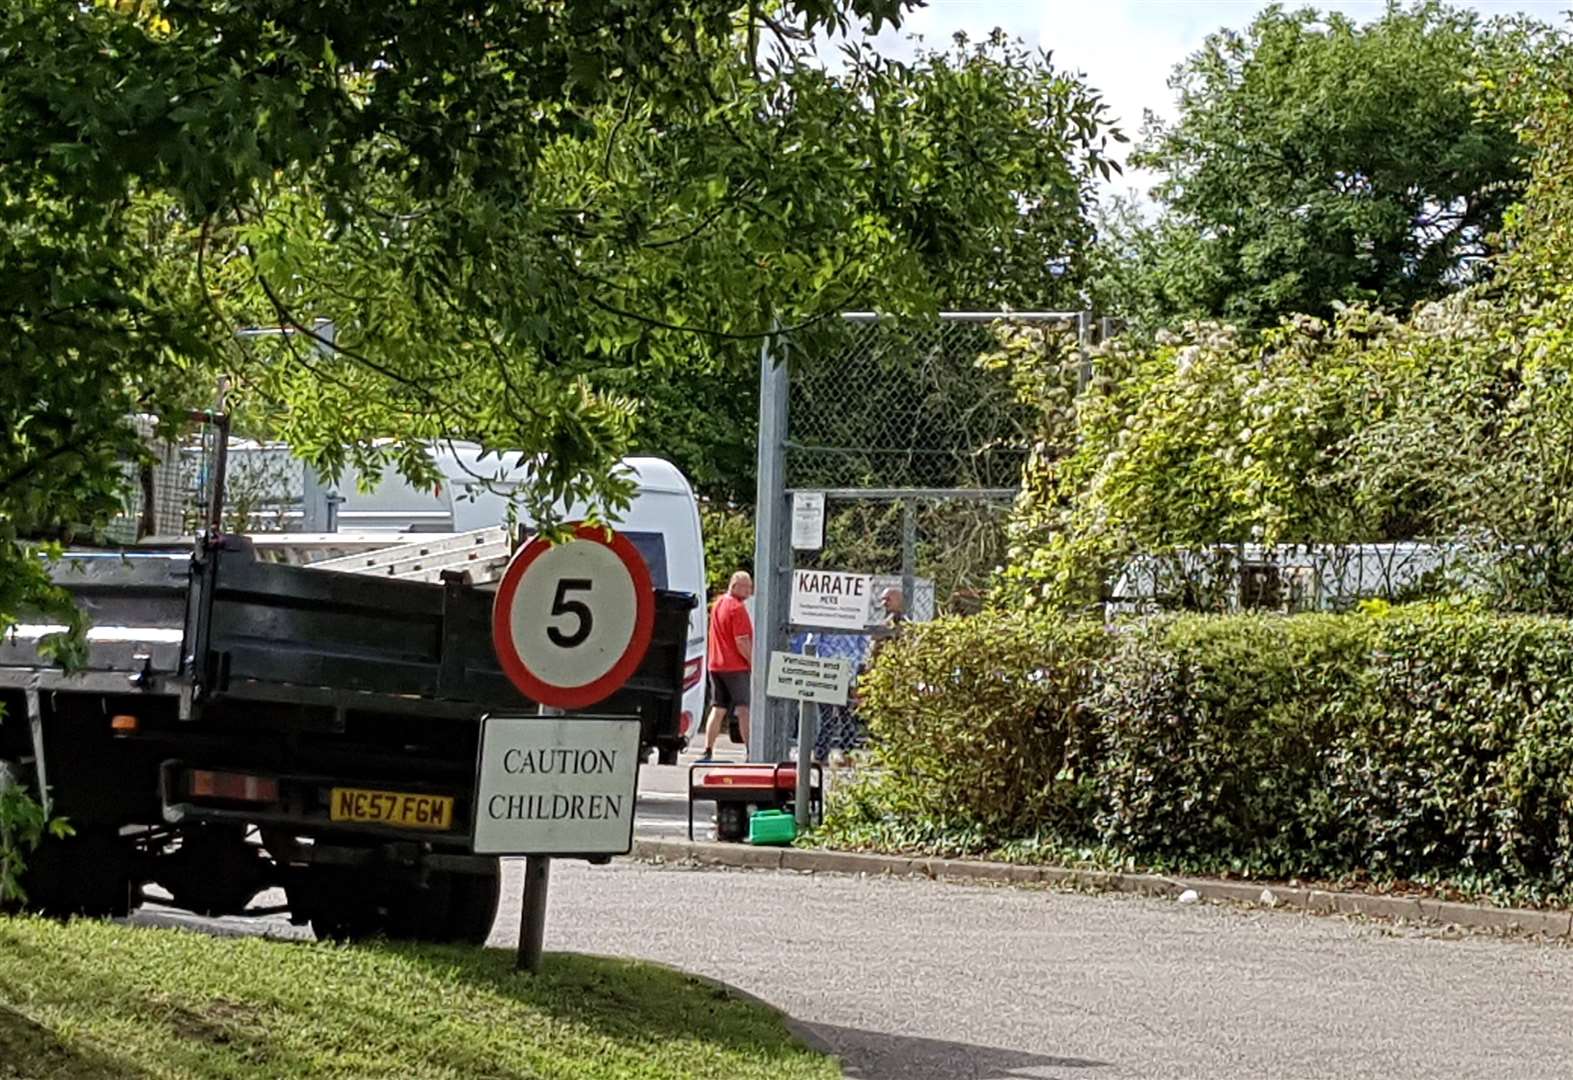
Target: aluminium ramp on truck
<point>483,554</point>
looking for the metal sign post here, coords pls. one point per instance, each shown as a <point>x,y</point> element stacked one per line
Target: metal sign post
<point>532,904</point>
<point>807,721</point>
<point>772,556</point>
<point>532,915</point>
<point>810,681</point>
<point>570,624</point>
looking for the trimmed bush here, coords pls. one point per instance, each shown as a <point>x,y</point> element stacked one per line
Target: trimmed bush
<point>1212,731</point>
<point>979,721</point>
<point>1427,743</point>
<point>1457,758</point>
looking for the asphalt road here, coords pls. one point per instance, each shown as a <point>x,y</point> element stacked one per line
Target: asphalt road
<point>916,979</point>
<point>921,979</point>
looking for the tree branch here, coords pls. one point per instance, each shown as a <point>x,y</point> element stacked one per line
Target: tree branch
<point>287,318</point>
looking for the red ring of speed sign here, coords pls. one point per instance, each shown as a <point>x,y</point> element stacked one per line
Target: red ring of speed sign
<point>571,623</point>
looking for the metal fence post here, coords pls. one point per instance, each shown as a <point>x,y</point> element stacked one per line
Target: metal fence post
<point>909,558</point>
<point>772,555</point>
<point>1083,341</point>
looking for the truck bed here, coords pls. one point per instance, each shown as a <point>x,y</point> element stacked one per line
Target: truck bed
<point>247,629</point>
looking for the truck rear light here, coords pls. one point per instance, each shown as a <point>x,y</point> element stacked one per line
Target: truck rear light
<point>237,787</point>
<point>123,724</point>
<point>691,670</point>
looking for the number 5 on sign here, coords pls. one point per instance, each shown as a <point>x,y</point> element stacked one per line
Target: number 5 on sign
<point>572,621</point>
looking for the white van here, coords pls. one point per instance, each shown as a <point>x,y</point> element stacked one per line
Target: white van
<point>662,520</point>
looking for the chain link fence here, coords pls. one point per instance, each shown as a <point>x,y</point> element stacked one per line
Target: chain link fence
<point>917,446</point>
<point>168,489</point>
<point>883,404</point>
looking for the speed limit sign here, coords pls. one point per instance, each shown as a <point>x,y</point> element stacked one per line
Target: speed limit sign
<point>572,620</point>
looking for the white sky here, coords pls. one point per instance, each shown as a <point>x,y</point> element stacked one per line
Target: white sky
<point>1127,48</point>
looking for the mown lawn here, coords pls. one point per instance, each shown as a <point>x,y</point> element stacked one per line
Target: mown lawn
<point>92,1000</point>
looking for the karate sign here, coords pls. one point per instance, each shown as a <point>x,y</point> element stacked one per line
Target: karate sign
<point>825,599</point>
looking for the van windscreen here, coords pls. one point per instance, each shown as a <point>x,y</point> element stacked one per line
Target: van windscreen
<point>652,547</point>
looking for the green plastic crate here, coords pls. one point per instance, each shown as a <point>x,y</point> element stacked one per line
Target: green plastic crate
<point>772,827</point>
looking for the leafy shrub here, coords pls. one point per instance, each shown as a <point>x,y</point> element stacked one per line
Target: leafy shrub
<point>979,721</point>
<point>23,826</point>
<point>1458,754</point>
<point>1213,730</point>
<point>1427,743</point>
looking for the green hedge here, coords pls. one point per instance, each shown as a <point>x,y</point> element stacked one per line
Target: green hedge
<point>1428,744</point>
<point>980,723</point>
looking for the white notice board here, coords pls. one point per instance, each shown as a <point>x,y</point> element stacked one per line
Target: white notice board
<point>556,785</point>
<point>829,600</point>
<point>808,520</point>
<point>809,678</point>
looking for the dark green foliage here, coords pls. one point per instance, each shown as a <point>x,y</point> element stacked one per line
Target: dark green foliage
<point>1458,753</point>
<point>1429,744</point>
<point>1318,161</point>
<point>1213,730</point>
<point>979,720</point>
<point>729,543</point>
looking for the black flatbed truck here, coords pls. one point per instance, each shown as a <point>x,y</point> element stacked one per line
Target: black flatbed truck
<point>230,712</point>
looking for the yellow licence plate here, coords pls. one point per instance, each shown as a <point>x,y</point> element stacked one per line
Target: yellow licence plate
<point>391,808</point>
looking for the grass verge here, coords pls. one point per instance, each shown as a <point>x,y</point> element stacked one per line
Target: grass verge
<point>91,1000</point>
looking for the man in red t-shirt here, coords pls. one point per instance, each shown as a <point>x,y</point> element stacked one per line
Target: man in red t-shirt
<point>731,646</point>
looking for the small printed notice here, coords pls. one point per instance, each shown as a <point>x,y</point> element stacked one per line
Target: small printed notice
<point>551,785</point>
<point>829,600</point>
<point>823,679</point>
<point>808,520</point>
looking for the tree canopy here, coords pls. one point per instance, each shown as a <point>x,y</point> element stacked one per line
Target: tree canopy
<point>520,217</point>
<point>1452,425</point>
<point>989,119</point>
<point>1317,161</point>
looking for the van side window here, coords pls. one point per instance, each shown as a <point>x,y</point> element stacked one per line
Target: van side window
<point>652,546</point>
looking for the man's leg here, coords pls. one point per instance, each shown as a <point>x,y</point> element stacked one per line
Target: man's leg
<point>742,723</point>
<point>713,727</point>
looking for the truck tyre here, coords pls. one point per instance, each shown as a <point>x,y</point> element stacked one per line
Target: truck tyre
<point>215,872</point>
<point>344,906</point>
<point>88,873</point>
<point>472,906</point>
<point>336,905</point>
<point>453,908</point>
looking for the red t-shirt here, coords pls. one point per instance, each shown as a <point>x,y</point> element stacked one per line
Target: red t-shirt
<point>728,621</point>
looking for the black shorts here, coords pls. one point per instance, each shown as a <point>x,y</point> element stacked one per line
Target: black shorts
<point>728,689</point>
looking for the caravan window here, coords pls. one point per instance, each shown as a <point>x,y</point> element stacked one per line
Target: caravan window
<point>652,547</point>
